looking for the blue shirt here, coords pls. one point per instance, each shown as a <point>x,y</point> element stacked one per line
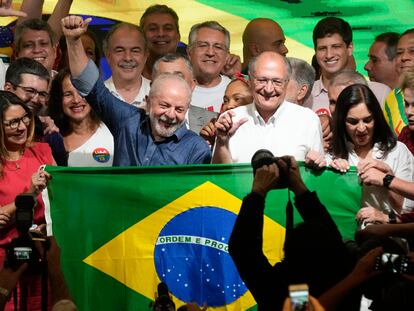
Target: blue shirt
<point>131,129</point>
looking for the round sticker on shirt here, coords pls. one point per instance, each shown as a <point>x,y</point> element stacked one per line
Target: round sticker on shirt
<point>322,111</point>
<point>101,155</point>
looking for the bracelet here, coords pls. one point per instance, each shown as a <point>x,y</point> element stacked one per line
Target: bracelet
<point>4,292</point>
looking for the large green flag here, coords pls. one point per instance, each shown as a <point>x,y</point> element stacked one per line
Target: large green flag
<point>123,230</point>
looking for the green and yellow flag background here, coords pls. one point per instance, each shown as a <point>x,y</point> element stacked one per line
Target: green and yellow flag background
<point>367,18</point>
<point>123,230</point>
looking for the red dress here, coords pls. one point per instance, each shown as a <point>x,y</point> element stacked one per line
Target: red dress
<point>15,179</point>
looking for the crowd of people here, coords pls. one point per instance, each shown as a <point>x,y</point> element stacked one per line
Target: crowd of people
<point>164,105</point>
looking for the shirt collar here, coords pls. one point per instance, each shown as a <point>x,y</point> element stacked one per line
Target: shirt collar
<point>272,120</point>
<point>318,88</point>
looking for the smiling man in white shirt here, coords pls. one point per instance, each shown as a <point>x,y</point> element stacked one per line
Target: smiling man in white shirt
<point>269,122</point>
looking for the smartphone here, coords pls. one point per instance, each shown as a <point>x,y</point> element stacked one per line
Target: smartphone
<point>299,295</point>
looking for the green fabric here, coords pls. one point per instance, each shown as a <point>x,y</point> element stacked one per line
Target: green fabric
<point>90,207</point>
<point>368,18</point>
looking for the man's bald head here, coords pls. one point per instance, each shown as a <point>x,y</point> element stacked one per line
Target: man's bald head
<point>260,35</point>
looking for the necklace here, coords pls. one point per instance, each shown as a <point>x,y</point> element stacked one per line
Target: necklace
<point>14,160</point>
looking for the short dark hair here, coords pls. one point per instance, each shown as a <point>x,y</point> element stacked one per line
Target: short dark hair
<point>25,65</point>
<point>391,40</point>
<point>32,24</point>
<point>349,97</point>
<point>55,106</point>
<point>408,32</point>
<point>332,25</point>
<point>159,9</point>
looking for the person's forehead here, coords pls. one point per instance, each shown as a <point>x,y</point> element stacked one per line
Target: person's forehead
<point>176,65</point>
<point>33,35</point>
<point>406,40</point>
<point>128,36</point>
<point>14,111</point>
<point>378,48</point>
<point>271,66</point>
<point>236,86</point>
<point>330,39</point>
<point>159,19</point>
<point>30,80</point>
<point>275,31</point>
<point>209,34</point>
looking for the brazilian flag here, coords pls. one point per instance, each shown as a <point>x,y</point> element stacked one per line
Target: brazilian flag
<point>124,230</point>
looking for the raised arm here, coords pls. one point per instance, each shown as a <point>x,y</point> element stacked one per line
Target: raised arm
<point>33,9</point>
<point>73,28</point>
<point>7,10</point>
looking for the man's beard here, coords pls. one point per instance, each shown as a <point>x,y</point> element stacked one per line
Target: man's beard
<point>162,131</point>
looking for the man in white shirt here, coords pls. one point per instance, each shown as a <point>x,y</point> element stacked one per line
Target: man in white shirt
<point>126,51</point>
<point>269,122</point>
<point>208,49</point>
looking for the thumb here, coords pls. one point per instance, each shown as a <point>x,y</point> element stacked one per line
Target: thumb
<point>16,13</point>
<point>240,122</point>
<point>86,22</point>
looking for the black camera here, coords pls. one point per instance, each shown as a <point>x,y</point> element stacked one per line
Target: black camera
<point>265,157</point>
<point>164,301</point>
<point>22,248</point>
<point>394,263</point>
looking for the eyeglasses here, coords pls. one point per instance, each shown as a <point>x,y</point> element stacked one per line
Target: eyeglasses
<point>275,82</point>
<point>31,92</point>
<point>204,45</point>
<point>14,124</point>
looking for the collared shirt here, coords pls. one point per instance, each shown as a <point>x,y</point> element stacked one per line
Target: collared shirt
<point>130,126</point>
<point>139,100</point>
<point>319,100</point>
<point>292,130</point>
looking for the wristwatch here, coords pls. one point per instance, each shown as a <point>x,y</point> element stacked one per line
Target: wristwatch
<point>386,181</point>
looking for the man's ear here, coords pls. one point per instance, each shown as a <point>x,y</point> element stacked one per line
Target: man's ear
<point>302,92</point>
<point>350,49</point>
<point>8,87</point>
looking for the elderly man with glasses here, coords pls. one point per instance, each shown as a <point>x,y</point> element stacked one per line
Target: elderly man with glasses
<point>208,50</point>
<point>269,122</point>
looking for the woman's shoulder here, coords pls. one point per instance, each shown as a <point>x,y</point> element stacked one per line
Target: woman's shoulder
<point>41,151</point>
<point>41,147</point>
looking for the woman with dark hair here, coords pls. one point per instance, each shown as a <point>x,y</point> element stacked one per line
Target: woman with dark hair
<point>87,140</point>
<point>21,160</point>
<point>362,138</point>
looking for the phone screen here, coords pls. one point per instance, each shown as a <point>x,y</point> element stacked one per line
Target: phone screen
<point>299,295</point>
